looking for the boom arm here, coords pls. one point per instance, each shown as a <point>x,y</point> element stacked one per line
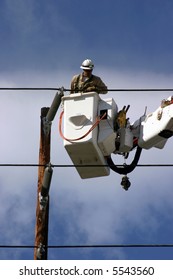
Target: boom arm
<point>113,134</point>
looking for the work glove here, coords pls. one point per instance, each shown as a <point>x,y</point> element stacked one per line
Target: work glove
<point>92,88</point>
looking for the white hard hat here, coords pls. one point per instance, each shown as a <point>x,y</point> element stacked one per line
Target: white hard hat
<point>87,64</point>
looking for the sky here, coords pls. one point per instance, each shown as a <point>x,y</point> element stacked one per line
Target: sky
<point>43,44</point>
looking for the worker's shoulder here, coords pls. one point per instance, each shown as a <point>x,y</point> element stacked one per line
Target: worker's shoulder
<point>96,78</point>
<point>75,77</point>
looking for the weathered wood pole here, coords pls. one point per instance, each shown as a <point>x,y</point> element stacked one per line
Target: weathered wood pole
<point>42,213</point>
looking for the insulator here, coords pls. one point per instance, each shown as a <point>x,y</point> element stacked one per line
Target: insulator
<point>46,181</point>
<point>54,107</point>
<point>41,252</point>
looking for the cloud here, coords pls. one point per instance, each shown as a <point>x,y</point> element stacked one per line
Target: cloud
<point>39,35</point>
<point>20,16</point>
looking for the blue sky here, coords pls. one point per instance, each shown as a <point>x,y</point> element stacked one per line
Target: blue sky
<point>43,44</point>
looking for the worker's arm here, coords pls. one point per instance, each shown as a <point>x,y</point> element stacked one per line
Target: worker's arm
<point>100,86</point>
<point>74,84</point>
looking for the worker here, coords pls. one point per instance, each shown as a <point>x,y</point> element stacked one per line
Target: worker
<point>86,81</point>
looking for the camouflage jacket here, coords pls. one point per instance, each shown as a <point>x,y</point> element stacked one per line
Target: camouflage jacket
<point>93,83</point>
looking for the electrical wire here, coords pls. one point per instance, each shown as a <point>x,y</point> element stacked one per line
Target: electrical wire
<point>76,165</point>
<point>90,246</point>
<point>143,90</point>
<point>64,89</point>
<point>30,88</point>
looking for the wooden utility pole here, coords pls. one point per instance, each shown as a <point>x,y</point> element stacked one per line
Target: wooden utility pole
<point>42,213</point>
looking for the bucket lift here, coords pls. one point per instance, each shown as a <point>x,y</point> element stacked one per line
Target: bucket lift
<point>89,134</point>
<point>94,129</point>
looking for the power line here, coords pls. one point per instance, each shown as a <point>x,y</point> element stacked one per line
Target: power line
<point>20,165</point>
<point>90,246</point>
<point>76,165</point>
<point>141,89</point>
<point>30,88</point>
<point>64,89</point>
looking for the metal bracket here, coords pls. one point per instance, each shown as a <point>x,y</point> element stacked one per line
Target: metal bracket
<point>43,202</point>
<point>125,183</point>
<point>40,252</point>
<point>46,126</point>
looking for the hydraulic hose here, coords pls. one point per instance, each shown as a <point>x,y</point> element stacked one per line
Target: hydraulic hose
<point>126,168</point>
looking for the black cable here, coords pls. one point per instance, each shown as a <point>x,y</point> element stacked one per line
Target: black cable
<point>31,88</point>
<point>126,168</point>
<point>141,89</point>
<point>109,246</point>
<point>64,89</point>
<point>89,246</point>
<point>77,165</point>
<point>21,165</point>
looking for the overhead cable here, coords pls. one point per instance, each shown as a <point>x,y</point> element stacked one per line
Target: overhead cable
<point>77,165</point>
<point>90,246</point>
<point>65,89</point>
